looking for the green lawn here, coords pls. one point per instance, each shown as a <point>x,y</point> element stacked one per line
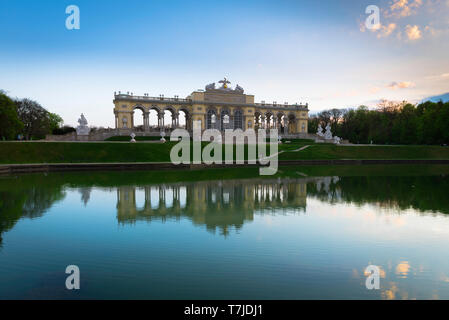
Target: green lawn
<point>317,151</point>
<point>69,152</point>
<point>76,152</point>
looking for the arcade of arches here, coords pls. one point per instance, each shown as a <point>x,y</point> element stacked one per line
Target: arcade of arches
<point>219,108</point>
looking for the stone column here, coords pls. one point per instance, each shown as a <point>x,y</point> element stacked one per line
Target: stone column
<point>146,121</point>
<point>132,120</point>
<point>161,119</point>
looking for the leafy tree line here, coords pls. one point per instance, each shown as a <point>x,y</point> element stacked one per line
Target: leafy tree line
<point>389,123</point>
<point>27,118</point>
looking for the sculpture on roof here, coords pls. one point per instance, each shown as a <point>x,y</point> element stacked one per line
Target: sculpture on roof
<point>210,86</point>
<point>225,83</point>
<point>239,89</point>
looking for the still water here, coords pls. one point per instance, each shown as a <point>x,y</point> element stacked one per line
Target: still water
<point>295,237</point>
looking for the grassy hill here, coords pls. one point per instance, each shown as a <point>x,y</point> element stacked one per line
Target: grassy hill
<point>75,152</point>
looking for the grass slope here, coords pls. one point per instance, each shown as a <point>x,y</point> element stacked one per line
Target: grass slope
<point>67,152</point>
<point>316,152</point>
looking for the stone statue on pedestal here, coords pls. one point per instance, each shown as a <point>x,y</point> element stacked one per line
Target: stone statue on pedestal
<point>82,129</point>
<point>328,133</point>
<point>320,131</point>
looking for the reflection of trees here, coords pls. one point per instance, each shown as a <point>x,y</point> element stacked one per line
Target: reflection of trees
<point>30,197</point>
<point>423,193</point>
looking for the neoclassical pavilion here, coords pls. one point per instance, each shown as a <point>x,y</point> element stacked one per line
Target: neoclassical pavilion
<point>215,107</point>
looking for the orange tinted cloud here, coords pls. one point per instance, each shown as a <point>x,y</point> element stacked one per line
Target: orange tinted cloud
<point>385,31</point>
<point>401,85</point>
<point>403,8</point>
<point>413,32</point>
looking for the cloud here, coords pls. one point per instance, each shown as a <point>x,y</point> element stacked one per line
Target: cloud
<point>403,8</point>
<point>400,85</point>
<point>385,31</point>
<point>413,32</point>
<point>432,31</point>
<point>439,76</point>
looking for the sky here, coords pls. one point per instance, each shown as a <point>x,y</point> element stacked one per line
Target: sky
<point>319,52</point>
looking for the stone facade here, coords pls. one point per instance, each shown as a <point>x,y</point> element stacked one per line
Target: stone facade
<point>218,108</point>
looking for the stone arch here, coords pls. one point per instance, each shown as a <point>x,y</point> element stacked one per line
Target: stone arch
<point>184,114</point>
<point>134,123</point>
<point>138,106</point>
<point>153,117</point>
<point>238,119</point>
<point>225,114</point>
<point>211,118</point>
<point>281,122</point>
<point>269,119</point>
<point>155,107</point>
<point>169,120</point>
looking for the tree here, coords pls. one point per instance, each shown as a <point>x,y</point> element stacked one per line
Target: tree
<point>324,117</point>
<point>10,125</point>
<point>336,115</point>
<point>35,118</point>
<point>313,124</point>
<point>391,123</point>
<point>55,120</point>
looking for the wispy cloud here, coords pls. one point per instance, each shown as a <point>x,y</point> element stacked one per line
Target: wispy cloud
<point>385,31</point>
<point>401,85</point>
<point>402,8</point>
<point>439,76</point>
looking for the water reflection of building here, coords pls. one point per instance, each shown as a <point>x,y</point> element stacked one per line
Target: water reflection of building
<point>216,204</point>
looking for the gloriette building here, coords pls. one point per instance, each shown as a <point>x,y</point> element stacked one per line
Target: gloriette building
<point>219,108</point>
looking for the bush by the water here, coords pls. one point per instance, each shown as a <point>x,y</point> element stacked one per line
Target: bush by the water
<point>63,130</point>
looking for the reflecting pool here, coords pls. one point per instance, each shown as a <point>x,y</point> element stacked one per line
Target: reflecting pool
<point>293,236</point>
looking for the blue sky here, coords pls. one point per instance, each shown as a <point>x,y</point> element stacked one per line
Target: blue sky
<point>285,51</point>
